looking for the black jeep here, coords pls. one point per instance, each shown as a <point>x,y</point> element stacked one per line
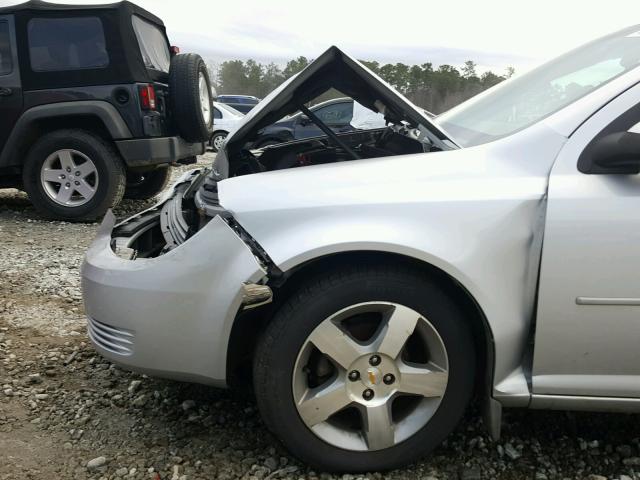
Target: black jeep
<point>95,104</point>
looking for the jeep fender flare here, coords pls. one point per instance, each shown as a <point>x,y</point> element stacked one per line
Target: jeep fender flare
<point>104,111</point>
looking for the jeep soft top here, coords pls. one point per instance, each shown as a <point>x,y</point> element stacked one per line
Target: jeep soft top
<point>94,104</point>
<point>126,63</point>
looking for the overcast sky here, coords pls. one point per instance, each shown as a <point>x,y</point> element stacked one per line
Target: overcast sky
<point>493,33</point>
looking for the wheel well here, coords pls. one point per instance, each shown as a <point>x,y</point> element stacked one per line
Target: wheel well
<point>249,325</point>
<point>219,131</point>
<point>43,126</point>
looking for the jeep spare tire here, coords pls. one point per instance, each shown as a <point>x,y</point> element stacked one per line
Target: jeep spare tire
<point>190,97</point>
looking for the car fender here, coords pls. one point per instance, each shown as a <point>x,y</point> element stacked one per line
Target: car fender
<point>104,111</point>
<point>476,214</point>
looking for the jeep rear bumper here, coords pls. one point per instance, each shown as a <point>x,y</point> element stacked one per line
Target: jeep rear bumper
<point>143,152</point>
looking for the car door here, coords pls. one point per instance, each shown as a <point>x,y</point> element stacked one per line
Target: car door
<point>10,86</point>
<point>336,116</point>
<point>588,322</point>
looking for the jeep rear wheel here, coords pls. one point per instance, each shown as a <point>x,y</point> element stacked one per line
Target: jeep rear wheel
<point>190,97</point>
<point>73,175</point>
<point>146,185</point>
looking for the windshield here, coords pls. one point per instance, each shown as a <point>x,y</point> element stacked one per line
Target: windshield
<point>527,99</point>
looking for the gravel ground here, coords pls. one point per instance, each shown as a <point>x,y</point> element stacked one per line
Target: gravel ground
<point>66,413</point>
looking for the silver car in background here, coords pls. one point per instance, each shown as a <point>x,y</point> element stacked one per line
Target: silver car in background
<point>372,283</point>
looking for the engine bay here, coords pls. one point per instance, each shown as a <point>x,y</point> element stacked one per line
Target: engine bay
<point>384,142</point>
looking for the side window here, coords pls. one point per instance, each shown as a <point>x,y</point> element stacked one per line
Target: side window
<point>58,44</point>
<point>336,114</point>
<point>153,45</point>
<point>217,113</point>
<point>6,64</point>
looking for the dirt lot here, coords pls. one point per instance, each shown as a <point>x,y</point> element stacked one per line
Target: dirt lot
<point>67,413</point>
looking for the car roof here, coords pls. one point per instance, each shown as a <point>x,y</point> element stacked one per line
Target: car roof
<point>40,6</point>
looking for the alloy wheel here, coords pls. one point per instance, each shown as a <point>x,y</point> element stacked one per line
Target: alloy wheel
<point>370,376</point>
<point>218,141</point>
<point>69,177</point>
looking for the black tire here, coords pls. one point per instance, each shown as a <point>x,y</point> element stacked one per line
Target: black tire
<point>215,136</point>
<point>146,185</point>
<point>184,97</point>
<point>109,166</point>
<point>318,299</point>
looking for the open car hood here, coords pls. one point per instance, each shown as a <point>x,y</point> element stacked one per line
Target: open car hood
<point>334,69</point>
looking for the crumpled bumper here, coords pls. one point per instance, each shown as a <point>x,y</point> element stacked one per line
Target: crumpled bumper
<point>168,316</point>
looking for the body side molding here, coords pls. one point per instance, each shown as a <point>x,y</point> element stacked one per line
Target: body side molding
<point>608,301</point>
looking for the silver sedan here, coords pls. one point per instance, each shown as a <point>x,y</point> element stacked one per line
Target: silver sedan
<point>373,281</point>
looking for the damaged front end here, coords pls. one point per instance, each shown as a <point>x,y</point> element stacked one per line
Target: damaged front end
<point>162,289</point>
<point>164,226</point>
<point>167,225</point>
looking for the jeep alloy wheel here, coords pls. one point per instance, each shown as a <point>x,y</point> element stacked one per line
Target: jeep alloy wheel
<point>73,175</point>
<point>69,178</point>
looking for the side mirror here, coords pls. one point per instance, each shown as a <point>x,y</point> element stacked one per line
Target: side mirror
<point>304,120</point>
<point>613,153</point>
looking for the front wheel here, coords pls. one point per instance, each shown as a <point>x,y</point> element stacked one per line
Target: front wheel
<point>73,175</point>
<point>364,369</point>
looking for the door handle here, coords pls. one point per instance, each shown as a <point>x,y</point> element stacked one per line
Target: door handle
<point>5,92</point>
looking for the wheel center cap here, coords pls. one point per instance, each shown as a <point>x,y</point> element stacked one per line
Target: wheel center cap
<point>374,376</point>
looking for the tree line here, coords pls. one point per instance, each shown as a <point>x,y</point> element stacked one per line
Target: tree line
<point>433,88</point>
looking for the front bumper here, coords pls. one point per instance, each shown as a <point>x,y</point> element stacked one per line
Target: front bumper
<point>142,152</point>
<point>168,316</point>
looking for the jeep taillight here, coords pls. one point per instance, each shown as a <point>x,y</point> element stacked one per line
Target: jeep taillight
<point>147,97</point>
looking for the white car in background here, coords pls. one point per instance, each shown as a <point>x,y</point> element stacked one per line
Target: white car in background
<point>225,121</point>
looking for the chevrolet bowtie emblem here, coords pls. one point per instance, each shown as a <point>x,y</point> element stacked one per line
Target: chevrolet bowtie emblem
<point>374,376</point>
